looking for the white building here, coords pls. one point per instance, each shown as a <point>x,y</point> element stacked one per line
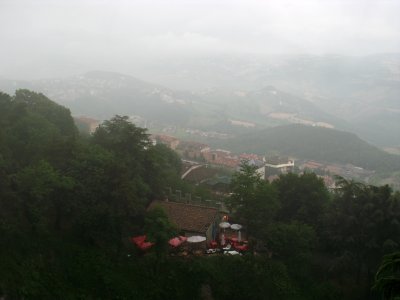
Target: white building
<point>276,167</point>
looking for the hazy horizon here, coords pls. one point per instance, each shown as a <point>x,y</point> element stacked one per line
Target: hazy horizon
<point>43,39</point>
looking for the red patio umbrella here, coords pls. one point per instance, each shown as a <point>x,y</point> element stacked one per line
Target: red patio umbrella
<point>138,240</point>
<point>145,245</point>
<point>176,241</point>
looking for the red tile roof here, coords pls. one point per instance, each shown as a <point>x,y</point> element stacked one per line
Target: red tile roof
<point>164,138</point>
<point>188,217</point>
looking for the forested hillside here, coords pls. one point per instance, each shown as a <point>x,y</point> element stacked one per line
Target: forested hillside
<point>70,204</point>
<point>60,191</point>
<point>316,143</point>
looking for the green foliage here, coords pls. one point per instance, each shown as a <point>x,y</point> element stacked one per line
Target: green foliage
<point>162,168</point>
<point>41,190</point>
<point>68,205</point>
<point>363,220</point>
<point>36,128</point>
<point>253,200</point>
<point>293,241</point>
<point>159,230</point>
<point>363,225</point>
<point>122,137</point>
<point>387,279</point>
<point>303,198</point>
<point>250,277</point>
<point>244,184</point>
<point>55,114</point>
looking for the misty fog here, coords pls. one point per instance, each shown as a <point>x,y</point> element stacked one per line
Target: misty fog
<point>46,39</point>
<point>143,143</point>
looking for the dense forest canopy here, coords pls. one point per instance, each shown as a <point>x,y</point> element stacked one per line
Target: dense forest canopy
<point>70,203</point>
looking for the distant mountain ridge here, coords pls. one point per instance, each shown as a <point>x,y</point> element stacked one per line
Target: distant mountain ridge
<point>356,94</point>
<point>269,105</point>
<point>363,90</point>
<point>102,94</point>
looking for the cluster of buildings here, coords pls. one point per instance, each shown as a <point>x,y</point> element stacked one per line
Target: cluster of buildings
<point>222,157</point>
<point>203,152</point>
<point>201,217</point>
<point>274,166</point>
<point>326,170</point>
<point>268,168</point>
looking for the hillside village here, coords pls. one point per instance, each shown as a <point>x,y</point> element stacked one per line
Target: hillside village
<point>202,153</point>
<point>269,168</point>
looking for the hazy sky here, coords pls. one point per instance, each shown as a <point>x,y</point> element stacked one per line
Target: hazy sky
<point>43,38</point>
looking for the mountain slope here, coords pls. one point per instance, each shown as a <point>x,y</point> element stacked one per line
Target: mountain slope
<point>354,94</point>
<point>103,94</point>
<point>364,90</point>
<point>271,106</point>
<point>316,143</point>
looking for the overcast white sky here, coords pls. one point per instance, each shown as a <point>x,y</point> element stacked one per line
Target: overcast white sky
<point>43,38</point>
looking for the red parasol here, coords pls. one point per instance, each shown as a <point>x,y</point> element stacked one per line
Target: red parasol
<point>176,241</point>
<point>145,245</point>
<point>138,240</point>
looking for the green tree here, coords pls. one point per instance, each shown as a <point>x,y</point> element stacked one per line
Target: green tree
<point>363,224</point>
<point>123,138</point>
<point>126,190</point>
<point>293,241</point>
<point>387,279</point>
<point>303,198</point>
<point>34,128</point>
<point>253,200</point>
<point>163,167</point>
<point>159,230</point>
<point>111,200</point>
<point>57,115</point>
<point>42,191</point>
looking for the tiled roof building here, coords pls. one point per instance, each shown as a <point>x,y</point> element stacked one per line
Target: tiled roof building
<point>191,219</point>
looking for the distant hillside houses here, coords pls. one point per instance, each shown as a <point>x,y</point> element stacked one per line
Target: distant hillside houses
<point>272,166</point>
<point>269,168</point>
<point>275,166</point>
<point>192,150</point>
<point>222,157</point>
<point>344,170</point>
<point>169,141</point>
